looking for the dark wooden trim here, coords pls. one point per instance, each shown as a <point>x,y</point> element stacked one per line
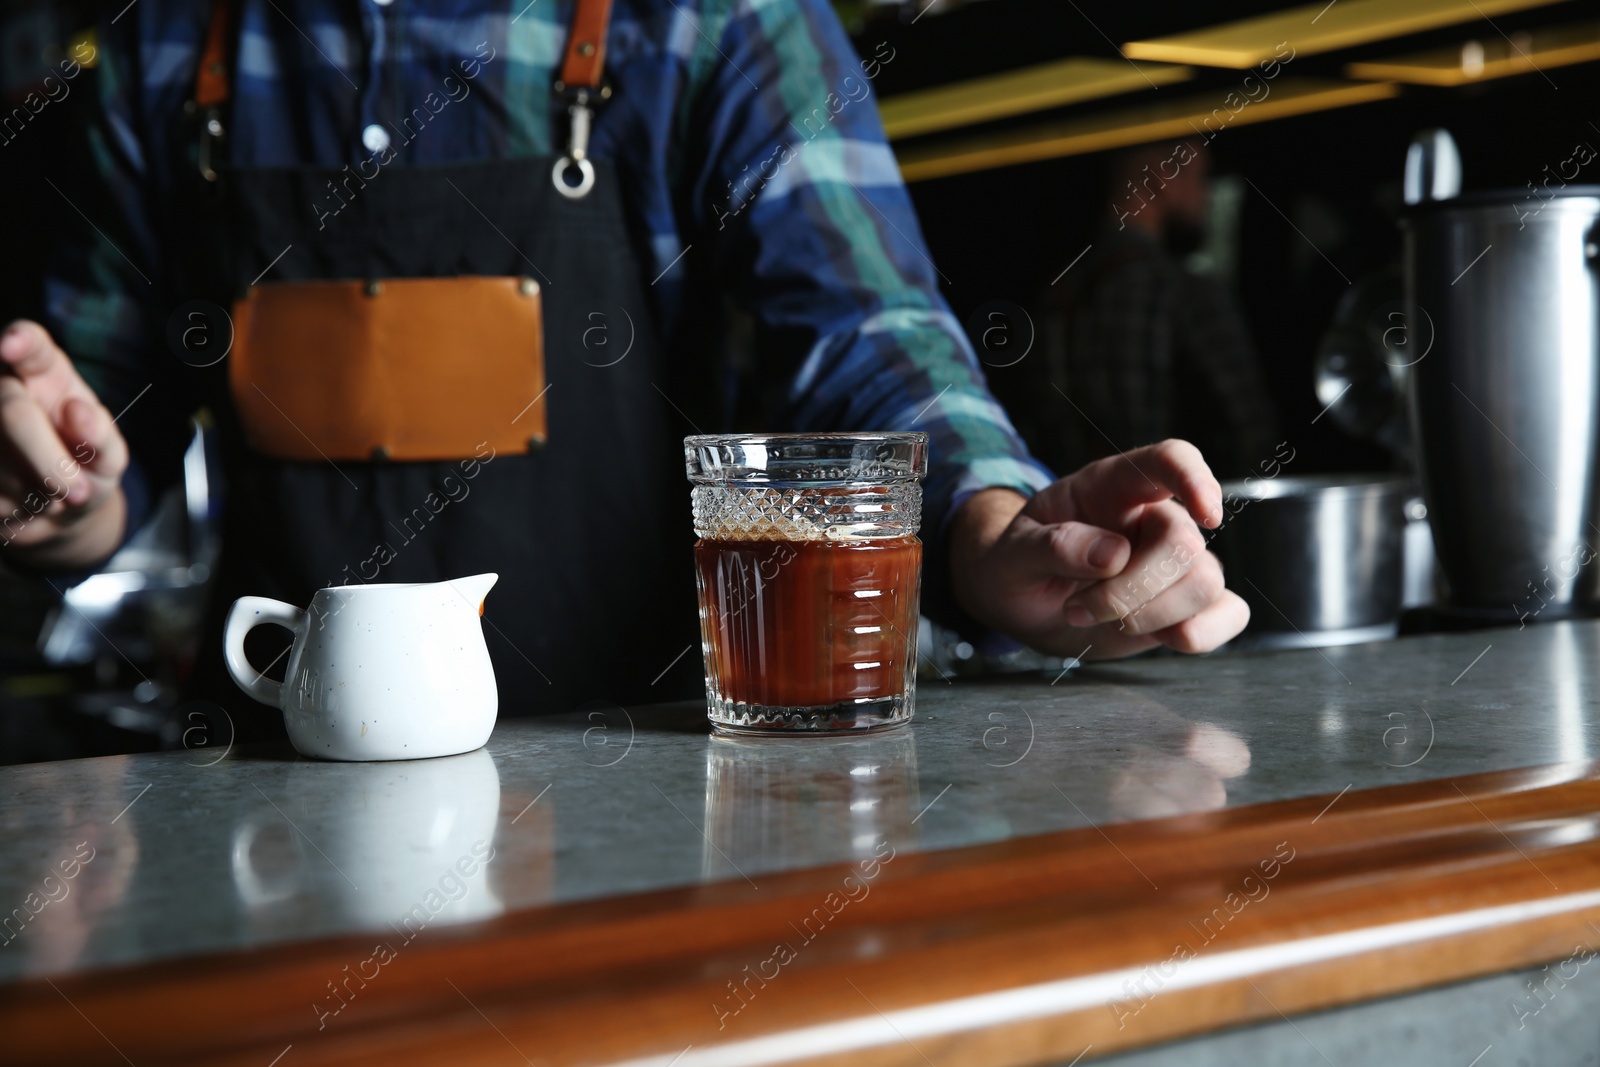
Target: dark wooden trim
<point>1388,890</point>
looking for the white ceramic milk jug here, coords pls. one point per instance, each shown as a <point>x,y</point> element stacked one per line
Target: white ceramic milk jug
<point>377,672</point>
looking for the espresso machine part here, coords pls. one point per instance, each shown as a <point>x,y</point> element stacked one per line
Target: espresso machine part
<point>1503,302</point>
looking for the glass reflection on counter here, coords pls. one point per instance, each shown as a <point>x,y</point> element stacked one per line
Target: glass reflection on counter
<point>786,802</point>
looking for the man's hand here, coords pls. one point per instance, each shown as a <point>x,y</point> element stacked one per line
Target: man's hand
<point>61,458</point>
<point>1108,558</point>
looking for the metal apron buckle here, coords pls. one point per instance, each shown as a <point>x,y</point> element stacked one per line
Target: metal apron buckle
<point>577,144</point>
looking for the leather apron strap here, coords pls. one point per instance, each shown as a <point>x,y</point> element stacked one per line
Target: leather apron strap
<point>583,62</point>
<point>213,83</point>
<point>585,59</point>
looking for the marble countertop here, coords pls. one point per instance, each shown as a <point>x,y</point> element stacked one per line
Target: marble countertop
<point>132,859</point>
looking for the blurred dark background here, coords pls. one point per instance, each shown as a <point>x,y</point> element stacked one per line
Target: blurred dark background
<point>1003,234</point>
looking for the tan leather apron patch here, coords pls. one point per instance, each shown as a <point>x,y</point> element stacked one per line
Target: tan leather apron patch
<point>402,369</point>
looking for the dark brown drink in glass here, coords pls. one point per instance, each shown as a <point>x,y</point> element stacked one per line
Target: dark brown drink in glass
<point>808,623</point>
<point>809,573</point>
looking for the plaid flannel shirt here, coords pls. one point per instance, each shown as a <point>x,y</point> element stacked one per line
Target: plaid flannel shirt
<point>744,125</point>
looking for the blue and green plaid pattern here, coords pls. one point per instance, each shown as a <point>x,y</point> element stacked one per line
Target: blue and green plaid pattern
<point>743,126</point>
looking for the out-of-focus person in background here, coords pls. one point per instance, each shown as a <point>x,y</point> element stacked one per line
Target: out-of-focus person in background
<point>1137,347</point>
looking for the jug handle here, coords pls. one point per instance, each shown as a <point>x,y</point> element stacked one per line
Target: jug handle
<point>247,613</point>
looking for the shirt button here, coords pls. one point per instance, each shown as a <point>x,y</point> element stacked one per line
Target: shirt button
<point>375,138</point>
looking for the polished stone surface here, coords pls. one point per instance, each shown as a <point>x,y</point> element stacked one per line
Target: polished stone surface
<point>195,851</point>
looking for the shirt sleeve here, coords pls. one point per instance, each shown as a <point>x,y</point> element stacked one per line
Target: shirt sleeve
<point>815,236</point>
<point>104,288</point>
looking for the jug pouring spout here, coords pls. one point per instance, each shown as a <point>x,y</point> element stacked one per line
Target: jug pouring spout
<point>474,587</point>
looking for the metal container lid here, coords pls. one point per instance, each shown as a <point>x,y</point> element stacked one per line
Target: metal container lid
<point>1493,198</point>
<point>1322,486</point>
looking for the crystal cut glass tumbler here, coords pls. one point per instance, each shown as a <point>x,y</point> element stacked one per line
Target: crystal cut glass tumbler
<point>809,571</point>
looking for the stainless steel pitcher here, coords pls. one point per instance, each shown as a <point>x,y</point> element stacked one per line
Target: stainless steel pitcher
<point>1503,300</point>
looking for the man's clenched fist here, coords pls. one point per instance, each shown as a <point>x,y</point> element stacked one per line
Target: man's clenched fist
<point>61,458</point>
<point>1109,559</point>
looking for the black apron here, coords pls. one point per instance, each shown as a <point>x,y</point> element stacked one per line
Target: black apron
<point>591,534</point>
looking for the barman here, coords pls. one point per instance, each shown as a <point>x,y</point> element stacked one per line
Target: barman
<point>447,276</point>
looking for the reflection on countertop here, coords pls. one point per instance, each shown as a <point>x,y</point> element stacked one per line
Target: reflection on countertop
<point>68,861</point>
<point>410,842</point>
<point>183,853</point>
<point>769,799</point>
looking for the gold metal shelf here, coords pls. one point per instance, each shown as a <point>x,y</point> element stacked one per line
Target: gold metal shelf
<point>1066,81</point>
<point>1491,57</point>
<point>1316,27</point>
<point>1195,116</point>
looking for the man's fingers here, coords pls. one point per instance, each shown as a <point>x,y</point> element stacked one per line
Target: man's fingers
<point>1199,587</point>
<point>1169,545</point>
<point>1173,468</point>
<point>92,438</point>
<point>16,521</point>
<point>15,491</point>
<point>60,457</point>
<point>27,349</point>
<point>1211,628</point>
<point>1176,467</point>
<point>1073,550</point>
<point>40,457</point>
<point>30,448</point>
<point>1205,631</point>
